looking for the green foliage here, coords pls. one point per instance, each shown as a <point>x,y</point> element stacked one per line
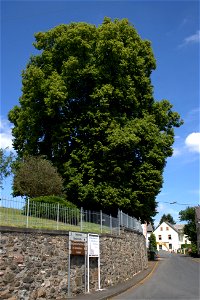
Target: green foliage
<point>87,105</point>
<point>183,246</point>
<point>152,242</point>
<point>193,249</point>
<point>6,161</point>
<point>190,228</point>
<point>36,176</point>
<point>152,251</point>
<point>167,218</point>
<point>47,207</point>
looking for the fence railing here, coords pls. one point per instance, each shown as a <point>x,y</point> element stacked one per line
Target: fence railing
<point>32,214</point>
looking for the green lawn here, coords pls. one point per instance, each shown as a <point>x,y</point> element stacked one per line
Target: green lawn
<point>15,218</point>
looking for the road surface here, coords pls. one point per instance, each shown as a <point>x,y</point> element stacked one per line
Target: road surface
<point>175,277</point>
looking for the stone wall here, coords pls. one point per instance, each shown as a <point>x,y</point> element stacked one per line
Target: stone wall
<point>34,264</point>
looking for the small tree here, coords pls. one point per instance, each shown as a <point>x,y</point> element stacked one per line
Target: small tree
<point>6,161</point>
<point>167,218</point>
<point>152,242</point>
<point>36,176</point>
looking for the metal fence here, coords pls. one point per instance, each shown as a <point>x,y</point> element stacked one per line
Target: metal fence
<point>32,214</point>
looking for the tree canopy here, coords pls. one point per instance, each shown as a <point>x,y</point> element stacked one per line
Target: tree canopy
<point>36,176</point>
<point>190,228</point>
<point>87,104</point>
<point>167,218</point>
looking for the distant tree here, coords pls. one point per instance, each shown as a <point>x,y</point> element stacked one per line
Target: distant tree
<point>152,242</point>
<point>88,105</point>
<point>167,218</point>
<point>6,160</point>
<point>36,176</point>
<point>190,228</point>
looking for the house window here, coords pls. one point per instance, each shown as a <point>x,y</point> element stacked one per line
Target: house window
<point>160,247</point>
<point>169,237</point>
<point>160,237</point>
<point>170,246</point>
<point>161,229</point>
<point>167,228</point>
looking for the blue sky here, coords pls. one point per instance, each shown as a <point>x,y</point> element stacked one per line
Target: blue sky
<point>171,26</point>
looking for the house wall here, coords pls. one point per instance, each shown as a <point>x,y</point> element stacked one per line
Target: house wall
<point>147,239</point>
<point>34,264</point>
<point>164,230</point>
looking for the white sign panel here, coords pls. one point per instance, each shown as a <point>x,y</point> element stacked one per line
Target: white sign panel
<point>93,245</point>
<point>77,236</point>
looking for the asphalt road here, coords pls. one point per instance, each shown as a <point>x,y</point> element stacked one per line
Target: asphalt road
<point>175,277</point>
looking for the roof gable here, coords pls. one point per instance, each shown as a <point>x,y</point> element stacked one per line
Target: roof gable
<point>166,223</point>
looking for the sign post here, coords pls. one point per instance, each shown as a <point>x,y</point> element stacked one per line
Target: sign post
<point>93,251</point>
<point>77,246</point>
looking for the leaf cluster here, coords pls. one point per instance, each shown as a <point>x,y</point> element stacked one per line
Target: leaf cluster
<point>190,228</point>
<point>168,218</point>
<point>152,242</point>
<point>36,176</point>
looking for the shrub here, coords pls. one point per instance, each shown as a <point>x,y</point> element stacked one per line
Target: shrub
<point>47,207</point>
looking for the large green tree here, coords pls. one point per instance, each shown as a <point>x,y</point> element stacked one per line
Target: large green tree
<point>87,104</point>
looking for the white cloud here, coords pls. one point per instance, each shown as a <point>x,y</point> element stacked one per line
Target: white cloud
<point>161,207</point>
<point>194,38</point>
<point>192,142</point>
<point>5,134</point>
<point>176,152</point>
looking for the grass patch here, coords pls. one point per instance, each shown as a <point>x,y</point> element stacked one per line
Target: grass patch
<point>14,218</point>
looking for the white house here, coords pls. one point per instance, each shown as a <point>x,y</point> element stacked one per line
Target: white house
<point>170,237</point>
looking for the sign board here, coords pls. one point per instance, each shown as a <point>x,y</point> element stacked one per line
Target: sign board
<point>77,237</point>
<point>93,245</point>
<point>77,248</point>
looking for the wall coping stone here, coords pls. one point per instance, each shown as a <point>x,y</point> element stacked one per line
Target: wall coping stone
<point>53,232</point>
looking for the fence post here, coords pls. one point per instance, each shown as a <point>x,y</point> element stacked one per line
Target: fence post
<point>27,213</point>
<point>110,224</point>
<point>81,219</point>
<point>119,223</point>
<point>121,218</point>
<point>101,221</point>
<point>57,216</point>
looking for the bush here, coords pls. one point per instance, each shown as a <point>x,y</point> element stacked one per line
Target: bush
<point>193,250</point>
<point>47,207</point>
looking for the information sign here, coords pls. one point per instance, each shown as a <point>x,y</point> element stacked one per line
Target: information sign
<point>93,245</point>
<point>77,248</point>
<point>77,236</point>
